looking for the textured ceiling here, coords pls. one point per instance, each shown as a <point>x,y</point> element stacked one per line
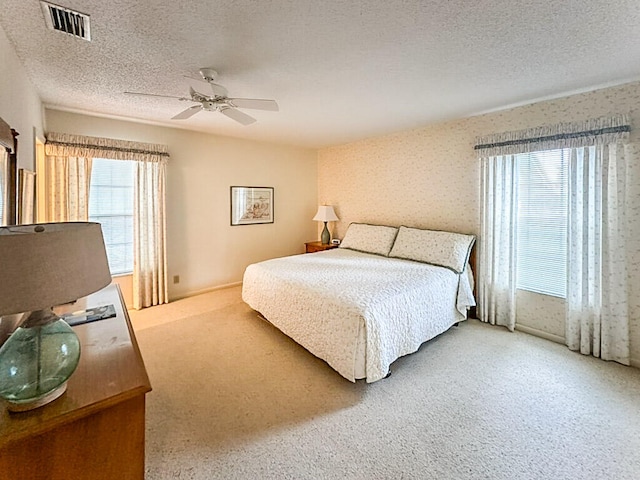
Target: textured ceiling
<point>340,70</point>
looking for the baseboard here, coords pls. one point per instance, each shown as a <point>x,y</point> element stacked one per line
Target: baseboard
<point>634,362</point>
<point>540,333</point>
<point>204,290</point>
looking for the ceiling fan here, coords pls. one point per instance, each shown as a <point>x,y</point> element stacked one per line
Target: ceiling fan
<point>218,102</point>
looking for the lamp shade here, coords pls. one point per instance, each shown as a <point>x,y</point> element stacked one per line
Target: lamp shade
<point>326,214</point>
<point>49,264</point>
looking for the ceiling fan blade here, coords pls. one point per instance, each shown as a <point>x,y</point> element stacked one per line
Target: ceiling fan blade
<point>238,116</point>
<point>195,96</point>
<point>218,90</point>
<point>255,103</point>
<point>189,112</point>
<point>153,95</point>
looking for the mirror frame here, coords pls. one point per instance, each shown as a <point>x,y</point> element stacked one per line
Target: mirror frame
<point>9,141</point>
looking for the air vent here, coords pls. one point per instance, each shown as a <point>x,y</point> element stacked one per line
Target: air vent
<point>67,21</point>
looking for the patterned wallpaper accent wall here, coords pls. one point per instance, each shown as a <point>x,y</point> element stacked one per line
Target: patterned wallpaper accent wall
<point>430,178</point>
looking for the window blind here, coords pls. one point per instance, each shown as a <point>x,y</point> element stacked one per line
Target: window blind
<point>111,204</point>
<point>542,221</point>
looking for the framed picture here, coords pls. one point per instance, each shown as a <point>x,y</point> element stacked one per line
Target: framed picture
<point>26,196</point>
<point>251,205</point>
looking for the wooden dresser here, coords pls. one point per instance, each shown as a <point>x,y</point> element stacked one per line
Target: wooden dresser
<point>96,429</point>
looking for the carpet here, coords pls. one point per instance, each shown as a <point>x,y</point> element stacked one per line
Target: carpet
<point>233,398</point>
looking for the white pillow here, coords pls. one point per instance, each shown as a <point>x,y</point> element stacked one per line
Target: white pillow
<point>376,239</point>
<point>446,249</point>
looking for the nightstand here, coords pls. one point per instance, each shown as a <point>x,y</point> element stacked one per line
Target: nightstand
<point>318,246</point>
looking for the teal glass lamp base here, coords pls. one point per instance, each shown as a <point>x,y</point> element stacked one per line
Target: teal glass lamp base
<point>37,360</point>
<point>325,237</point>
<point>30,404</point>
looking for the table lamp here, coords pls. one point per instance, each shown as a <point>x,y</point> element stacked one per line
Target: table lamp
<point>42,266</point>
<point>325,214</point>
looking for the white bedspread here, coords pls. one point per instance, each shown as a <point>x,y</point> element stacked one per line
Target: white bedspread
<point>323,300</point>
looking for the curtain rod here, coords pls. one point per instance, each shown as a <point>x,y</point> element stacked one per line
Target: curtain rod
<point>560,136</point>
<point>113,149</point>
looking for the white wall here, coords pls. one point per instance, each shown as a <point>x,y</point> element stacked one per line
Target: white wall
<point>203,249</point>
<point>20,105</point>
<point>430,178</point>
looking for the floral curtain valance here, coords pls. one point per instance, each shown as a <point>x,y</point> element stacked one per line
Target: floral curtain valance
<point>63,144</point>
<point>598,131</point>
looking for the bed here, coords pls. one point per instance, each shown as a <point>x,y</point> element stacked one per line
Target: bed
<point>379,296</point>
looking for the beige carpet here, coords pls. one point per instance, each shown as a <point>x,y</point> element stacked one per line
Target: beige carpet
<point>233,398</point>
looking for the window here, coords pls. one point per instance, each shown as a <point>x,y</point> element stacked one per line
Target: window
<point>111,204</point>
<point>542,221</point>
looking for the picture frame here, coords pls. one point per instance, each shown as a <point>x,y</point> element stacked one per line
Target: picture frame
<point>26,196</point>
<point>251,205</point>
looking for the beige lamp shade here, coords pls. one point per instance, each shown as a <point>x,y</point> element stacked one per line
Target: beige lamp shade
<point>49,264</point>
<point>326,214</point>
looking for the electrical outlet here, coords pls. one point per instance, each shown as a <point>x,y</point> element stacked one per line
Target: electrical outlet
<point>176,279</point>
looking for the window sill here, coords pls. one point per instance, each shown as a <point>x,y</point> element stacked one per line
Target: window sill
<point>125,274</point>
<point>547,294</point>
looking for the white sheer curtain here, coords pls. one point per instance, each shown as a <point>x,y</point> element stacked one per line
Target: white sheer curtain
<point>497,259</point>
<point>68,180</point>
<point>597,320</point>
<point>150,286</point>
